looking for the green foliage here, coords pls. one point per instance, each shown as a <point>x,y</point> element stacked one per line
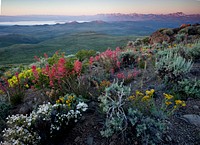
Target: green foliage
<point>54,59</point>
<point>128,57</point>
<point>179,38</point>
<point>168,32</point>
<point>172,67</point>
<point>85,54</point>
<point>4,109</point>
<point>140,115</point>
<point>189,88</point>
<point>112,104</point>
<point>194,52</point>
<point>149,129</point>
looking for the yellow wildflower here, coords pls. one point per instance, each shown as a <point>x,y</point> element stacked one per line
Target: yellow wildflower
<point>168,103</point>
<point>105,83</point>
<point>168,96</point>
<point>1,92</point>
<point>13,81</point>
<point>138,93</point>
<point>58,101</point>
<point>146,98</point>
<point>150,93</point>
<point>68,101</point>
<point>62,99</point>
<point>27,86</point>
<point>131,98</point>
<point>179,102</point>
<point>69,104</point>
<point>70,97</point>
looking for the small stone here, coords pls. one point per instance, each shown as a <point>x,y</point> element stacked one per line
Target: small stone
<point>112,143</point>
<point>90,140</point>
<point>114,137</point>
<point>168,138</point>
<point>195,107</point>
<point>77,139</point>
<point>192,119</point>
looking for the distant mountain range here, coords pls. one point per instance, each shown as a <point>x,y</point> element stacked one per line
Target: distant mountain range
<point>104,17</point>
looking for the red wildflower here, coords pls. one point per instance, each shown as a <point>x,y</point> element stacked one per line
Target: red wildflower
<point>77,66</point>
<point>120,76</point>
<point>35,72</point>
<point>91,60</point>
<point>45,55</point>
<point>37,58</point>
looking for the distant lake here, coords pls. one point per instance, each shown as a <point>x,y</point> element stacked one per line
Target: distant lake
<point>36,22</point>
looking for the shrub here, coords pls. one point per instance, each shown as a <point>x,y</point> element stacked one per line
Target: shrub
<point>172,67</point>
<point>15,87</point>
<point>112,104</point>
<point>43,124</point>
<point>148,119</point>
<point>189,88</point>
<point>180,38</point>
<point>168,32</point>
<point>107,60</point>
<point>128,58</point>
<point>194,52</point>
<point>85,54</point>
<point>136,115</point>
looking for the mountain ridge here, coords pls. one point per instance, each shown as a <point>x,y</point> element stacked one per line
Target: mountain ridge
<point>102,17</point>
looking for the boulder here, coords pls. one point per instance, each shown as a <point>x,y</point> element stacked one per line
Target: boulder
<point>192,119</point>
<point>158,37</point>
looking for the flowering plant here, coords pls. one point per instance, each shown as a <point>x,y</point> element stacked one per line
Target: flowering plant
<point>42,124</point>
<point>15,87</point>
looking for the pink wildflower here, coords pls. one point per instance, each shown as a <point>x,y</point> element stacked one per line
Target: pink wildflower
<point>91,60</point>
<point>120,76</point>
<point>37,58</point>
<point>45,55</point>
<point>77,66</point>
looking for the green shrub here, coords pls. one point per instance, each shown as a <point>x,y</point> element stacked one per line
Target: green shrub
<point>44,124</point>
<point>172,67</point>
<point>136,115</point>
<point>168,32</point>
<point>85,54</point>
<point>180,37</point>
<point>189,88</point>
<point>112,104</point>
<point>128,57</point>
<point>194,52</point>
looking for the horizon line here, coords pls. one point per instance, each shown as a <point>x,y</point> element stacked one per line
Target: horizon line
<point>103,14</point>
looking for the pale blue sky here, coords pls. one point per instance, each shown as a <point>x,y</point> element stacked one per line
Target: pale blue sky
<point>91,7</point>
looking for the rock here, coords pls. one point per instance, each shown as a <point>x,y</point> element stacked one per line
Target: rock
<point>195,107</point>
<point>192,119</point>
<point>90,140</point>
<point>77,139</point>
<point>112,143</point>
<point>168,138</point>
<point>158,37</point>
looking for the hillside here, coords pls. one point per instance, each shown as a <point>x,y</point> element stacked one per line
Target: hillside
<point>146,92</point>
<point>70,44</point>
<point>28,41</point>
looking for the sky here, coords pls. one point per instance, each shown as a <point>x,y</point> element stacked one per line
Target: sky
<point>92,7</point>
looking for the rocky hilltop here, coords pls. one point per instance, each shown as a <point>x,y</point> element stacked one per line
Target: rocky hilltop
<point>185,33</point>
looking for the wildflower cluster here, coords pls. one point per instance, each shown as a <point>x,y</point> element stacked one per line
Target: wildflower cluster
<point>15,87</point>
<point>170,104</point>
<point>68,99</point>
<point>142,101</point>
<point>107,59</point>
<point>20,78</point>
<point>59,76</point>
<point>23,129</point>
